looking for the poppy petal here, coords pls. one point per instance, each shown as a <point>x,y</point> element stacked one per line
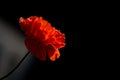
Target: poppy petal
<point>37,50</point>
<point>53,52</point>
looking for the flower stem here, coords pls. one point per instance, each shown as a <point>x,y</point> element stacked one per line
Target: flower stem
<point>15,67</point>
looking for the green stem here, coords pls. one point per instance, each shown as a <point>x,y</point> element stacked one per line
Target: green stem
<point>15,67</point>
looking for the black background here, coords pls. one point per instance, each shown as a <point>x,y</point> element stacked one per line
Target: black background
<point>71,21</point>
<point>82,23</point>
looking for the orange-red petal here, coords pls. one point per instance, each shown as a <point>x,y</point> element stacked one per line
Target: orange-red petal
<point>38,49</point>
<point>53,52</point>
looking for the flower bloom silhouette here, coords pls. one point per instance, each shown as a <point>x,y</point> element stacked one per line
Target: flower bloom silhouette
<point>41,38</point>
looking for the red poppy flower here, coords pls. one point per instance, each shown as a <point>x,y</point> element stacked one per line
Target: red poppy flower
<point>41,38</point>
